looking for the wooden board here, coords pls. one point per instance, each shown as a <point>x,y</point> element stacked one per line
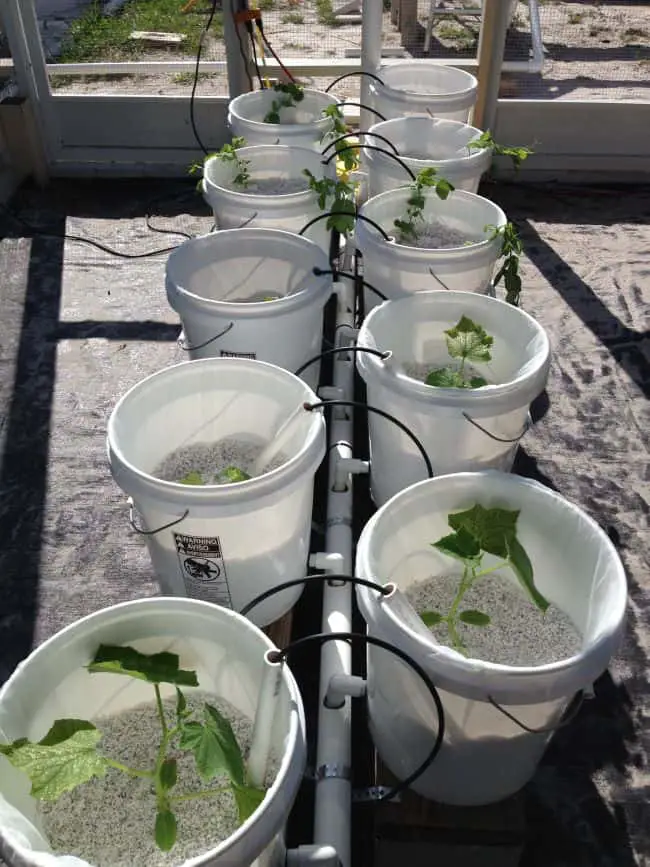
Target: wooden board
<point>280,631</point>
<point>421,833</point>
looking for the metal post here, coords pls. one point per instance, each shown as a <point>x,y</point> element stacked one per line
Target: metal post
<point>492,42</point>
<point>238,51</point>
<point>371,22</point>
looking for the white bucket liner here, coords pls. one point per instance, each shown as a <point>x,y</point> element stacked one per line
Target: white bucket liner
<point>413,330</point>
<point>303,125</point>
<point>439,144</point>
<point>217,283</point>
<point>228,654</point>
<point>234,207</point>
<point>423,87</point>
<point>398,270</point>
<point>249,536</point>
<point>485,756</point>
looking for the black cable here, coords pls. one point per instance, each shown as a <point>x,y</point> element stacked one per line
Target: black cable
<point>328,576</point>
<point>162,231</point>
<point>325,638</point>
<point>284,69</point>
<point>241,45</point>
<point>341,349</point>
<point>199,51</point>
<point>249,28</point>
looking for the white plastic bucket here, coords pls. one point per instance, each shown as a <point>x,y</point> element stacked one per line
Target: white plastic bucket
<point>423,87</point>
<point>234,207</point>
<point>209,283</point>
<point>440,144</point>
<point>398,270</point>
<point>250,535</point>
<point>303,125</point>
<point>228,654</point>
<point>413,330</point>
<point>485,756</point>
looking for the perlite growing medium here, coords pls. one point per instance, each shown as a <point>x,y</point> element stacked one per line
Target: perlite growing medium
<point>273,186</point>
<point>437,235</point>
<point>419,371</point>
<point>211,460</point>
<point>518,634</point>
<point>109,822</point>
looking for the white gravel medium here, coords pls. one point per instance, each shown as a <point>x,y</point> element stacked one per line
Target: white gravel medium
<point>109,822</point>
<point>438,235</point>
<point>211,459</point>
<point>274,186</point>
<point>519,634</point>
<point>420,371</point>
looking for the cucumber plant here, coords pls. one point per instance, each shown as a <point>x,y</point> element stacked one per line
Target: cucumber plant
<point>68,755</point>
<point>468,342</point>
<point>479,531</point>
<point>349,158</point>
<point>511,250</point>
<point>228,476</point>
<point>228,154</point>
<point>516,154</point>
<point>408,224</point>
<point>289,95</point>
<point>337,196</point>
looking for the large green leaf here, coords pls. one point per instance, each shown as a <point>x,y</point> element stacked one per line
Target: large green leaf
<point>154,668</point>
<point>214,746</point>
<point>523,569</point>
<point>247,799</point>
<point>469,340</point>
<point>446,377</point>
<point>461,545</point>
<point>64,759</point>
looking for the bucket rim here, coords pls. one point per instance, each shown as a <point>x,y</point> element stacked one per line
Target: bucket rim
<point>294,742</point>
<point>371,366</point>
<point>451,663</point>
<point>318,285</point>
<point>419,96</point>
<point>202,496</point>
<point>234,109</point>
<point>475,156</point>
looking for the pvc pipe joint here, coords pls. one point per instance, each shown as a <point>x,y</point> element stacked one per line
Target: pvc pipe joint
<point>312,856</point>
<point>342,685</point>
<point>332,562</point>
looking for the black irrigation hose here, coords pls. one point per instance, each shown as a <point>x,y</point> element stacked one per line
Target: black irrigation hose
<point>364,107</point>
<point>344,214</point>
<point>357,133</point>
<point>371,148</point>
<point>359,405</point>
<point>349,74</point>
<point>195,83</point>
<point>325,638</point>
<point>337,349</point>
<point>328,576</point>
<point>319,272</point>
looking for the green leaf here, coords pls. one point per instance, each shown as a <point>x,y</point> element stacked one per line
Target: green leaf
<point>474,618</point>
<point>430,618</point>
<point>154,668</point>
<point>214,746</point>
<point>64,759</point>
<point>477,382</point>
<point>247,799</point>
<point>426,178</point>
<point>443,188</point>
<point>165,830</point>
<point>168,774</point>
<point>461,545</point>
<point>181,706</point>
<point>446,377</point>
<point>234,474</point>
<point>192,478</point>
<point>469,340</point>
<point>523,569</point>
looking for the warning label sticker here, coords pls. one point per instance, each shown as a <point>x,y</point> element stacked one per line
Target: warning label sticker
<point>203,568</point>
<point>252,355</point>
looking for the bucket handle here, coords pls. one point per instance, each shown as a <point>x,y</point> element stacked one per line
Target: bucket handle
<point>357,133</point>
<point>569,715</point>
<point>344,214</point>
<point>183,345</point>
<point>383,355</point>
<point>142,532</point>
<point>370,148</point>
<point>527,427</point>
<point>386,415</point>
<point>319,272</point>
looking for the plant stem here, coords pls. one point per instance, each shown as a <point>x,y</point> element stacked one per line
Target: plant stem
<point>174,799</point>
<point>161,712</point>
<point>466,582</point>
<point>490,569</point>
<point>132,772</point>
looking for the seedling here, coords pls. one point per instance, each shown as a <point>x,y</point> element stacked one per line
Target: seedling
<point>407,225</point>
<point>224,477</point>
<point>228,154</point>
<point>337,196</point>
<point>477,532</point>
<point>511,250</point>
<point>290,94</point>
<point>348,158</point>
<point>516,154</point>
<point>68,755</point>
<point>467,341</point>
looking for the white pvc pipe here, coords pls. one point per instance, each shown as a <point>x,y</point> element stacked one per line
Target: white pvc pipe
<point>333,755</point>
<point>371,24</point>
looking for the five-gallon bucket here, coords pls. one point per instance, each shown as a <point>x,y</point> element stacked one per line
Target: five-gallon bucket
<point>276,194</point>
<point>397,269</point>
<point>251,293</point>
<point>423,87</point>
<point>461,429</point>
<point>228,654</point>
<point>303,125</point>
<point>425,142</point>
<point>225,543</point>
<point>486,754</point>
